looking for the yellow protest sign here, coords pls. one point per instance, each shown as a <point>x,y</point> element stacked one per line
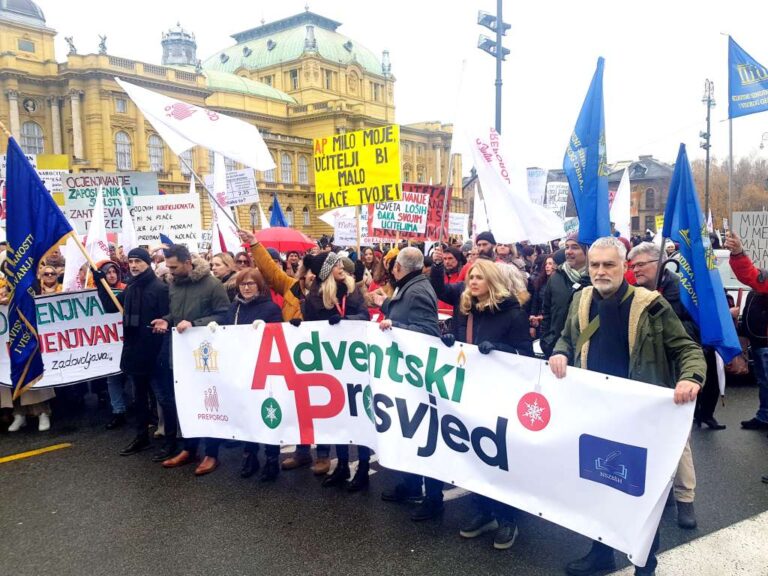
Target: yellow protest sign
<point>659,222</point>
<point>355,168</point>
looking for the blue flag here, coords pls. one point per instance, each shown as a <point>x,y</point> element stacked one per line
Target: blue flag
<point>34,226</point>
<point>165,240</point>
<point>747,83</point>
<point>701,289</point>
<point>586,167</point>
<point>277,218</point>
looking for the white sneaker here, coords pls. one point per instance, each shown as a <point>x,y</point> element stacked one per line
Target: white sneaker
<point>44,423</point>
<point>19,421</point>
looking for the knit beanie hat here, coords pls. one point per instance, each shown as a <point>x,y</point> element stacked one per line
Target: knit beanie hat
<point>487,236</point>
<point>349,266</point>
<point>321,264</point>
<point>140,254</point>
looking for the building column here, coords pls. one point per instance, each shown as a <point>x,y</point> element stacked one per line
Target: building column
<point>142,153</point>
<point>438,164</point>
<point>55,124</point>
<point>77,124</point>
<point>13,101</point>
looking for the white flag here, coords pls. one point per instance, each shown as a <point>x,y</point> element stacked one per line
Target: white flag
<point>219,179</point>
<point>183,125</point>
<point>192,184</point>
<point>479,217</point>
<point>127,237</point>
<point>73,261</point>
<point>96,243</point>
<point>620,208</point>
<point>511,214</point>
<point>225,238</point>
<point>264,219</point>
<point>343,212</point>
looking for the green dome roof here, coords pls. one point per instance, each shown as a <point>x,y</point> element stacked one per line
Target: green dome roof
<point>228,82</point>
<point>283,41</point>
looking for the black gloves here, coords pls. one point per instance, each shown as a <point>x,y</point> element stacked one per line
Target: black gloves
<point>295,322</point>
<point>486,347</point>
<point>448,339</point>
<point>98,275</point>
<point>335,319</point>
<point>359,270</point>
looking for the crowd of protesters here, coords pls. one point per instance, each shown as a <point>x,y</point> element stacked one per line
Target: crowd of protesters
<point>500,297</point>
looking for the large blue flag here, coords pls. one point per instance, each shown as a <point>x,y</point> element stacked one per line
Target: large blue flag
<point>34,226</point>
<point>586,167</point>
<point>701,291</point>
<point>747,83</point>
<point>277,218</point>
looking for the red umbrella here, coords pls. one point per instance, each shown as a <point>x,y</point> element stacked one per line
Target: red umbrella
<point>285,239</point>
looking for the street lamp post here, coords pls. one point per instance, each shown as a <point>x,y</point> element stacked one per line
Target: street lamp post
<point>709,100</point>
<point>494,48</point>
<point>763,140</point>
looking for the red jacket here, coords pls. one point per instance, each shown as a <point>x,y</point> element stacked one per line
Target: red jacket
<point>747,273</point>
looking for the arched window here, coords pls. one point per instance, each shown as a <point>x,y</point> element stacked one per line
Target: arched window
<point>289,216</point>
<point>187,157</point>
<point>32,138</point>
<point>156,153</point>
<point>650,199</point>
<point>286,168</point>
<point>303,170</point>
<point>305,214</point>
<point>123,151</point>
<point>269,175</point>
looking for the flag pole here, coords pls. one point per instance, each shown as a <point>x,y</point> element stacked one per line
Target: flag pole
<point>357,228</point>
<point>211,197</point>
<point>730,167</point>
<point>448,190</point>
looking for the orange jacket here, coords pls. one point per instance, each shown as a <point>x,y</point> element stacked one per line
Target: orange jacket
<point>279,281</point>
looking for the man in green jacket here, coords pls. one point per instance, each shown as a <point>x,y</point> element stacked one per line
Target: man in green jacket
<point>196,298</point>
<point>628,332</point>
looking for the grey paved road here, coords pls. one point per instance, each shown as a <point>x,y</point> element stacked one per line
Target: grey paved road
<point>85,510</point>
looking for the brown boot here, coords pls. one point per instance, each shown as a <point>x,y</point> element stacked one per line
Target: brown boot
<point>297,460</point>
<point>321,466</point>
<point>183,457</point>
<point>208,465</point>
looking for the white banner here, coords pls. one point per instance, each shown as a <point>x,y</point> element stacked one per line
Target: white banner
<point>593,453</point>
<point>241,187</point>
<point>78,339</point>
<point>175,215</point>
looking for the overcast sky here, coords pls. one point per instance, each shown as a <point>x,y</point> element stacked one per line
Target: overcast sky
<point>658,54</point>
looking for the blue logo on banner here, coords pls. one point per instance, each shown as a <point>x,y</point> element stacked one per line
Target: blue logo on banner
<point>617,465</point>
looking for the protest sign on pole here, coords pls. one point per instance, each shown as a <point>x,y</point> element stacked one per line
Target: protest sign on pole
<point>537,185</point>
<point>354,168</point>
<point>659,222</point>
<point>79,340</point>
<point>436,195</point>
<point>241,187</point>
<point>175,215</point>
<point>345,231</point>
<point>457,224</point>
<point>557,198</point>
<point>407,215</point>
<point>80,195</point>
<point>50,168</point>
<point>593,453</point>
<point>752,228</point>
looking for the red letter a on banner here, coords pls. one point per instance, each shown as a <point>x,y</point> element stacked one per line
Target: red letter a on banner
<point>298,383</point>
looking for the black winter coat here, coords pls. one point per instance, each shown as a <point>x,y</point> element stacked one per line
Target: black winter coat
<point>413,306</point>
<point>141,347</point>
<point>557,301</point>
<point>505,328</point>
<point>260,308</point>
<point>314,309</point>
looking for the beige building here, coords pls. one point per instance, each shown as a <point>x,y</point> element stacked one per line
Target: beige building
<point>295,79</point>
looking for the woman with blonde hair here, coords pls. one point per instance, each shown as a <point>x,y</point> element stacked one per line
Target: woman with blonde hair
<point>224,268</point>
<point>487,312</point>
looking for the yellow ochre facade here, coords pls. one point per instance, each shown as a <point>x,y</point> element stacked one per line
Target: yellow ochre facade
<point>295,79</point>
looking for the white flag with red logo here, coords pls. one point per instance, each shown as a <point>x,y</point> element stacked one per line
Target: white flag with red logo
<point>96,243</point>
<point>127,237</point>
<point>183,125</point>
<point>511,214</point>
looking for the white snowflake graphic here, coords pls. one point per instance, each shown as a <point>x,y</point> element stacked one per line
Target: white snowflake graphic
<point>271,412</point>
<point>533,412</point>
<point>369,404</point>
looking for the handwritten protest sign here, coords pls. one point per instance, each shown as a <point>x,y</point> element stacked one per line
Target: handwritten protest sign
<point>50,168</point>
<point>436,196</point>
<point>80,194</point>
<point>407,215</point>
<point>557,198</point>
<point>354,168</point>
<point>752,228</point>
<point>241,187</point>
<point>175,215</point>
<point>79,340</point>
<point>457,224</point>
